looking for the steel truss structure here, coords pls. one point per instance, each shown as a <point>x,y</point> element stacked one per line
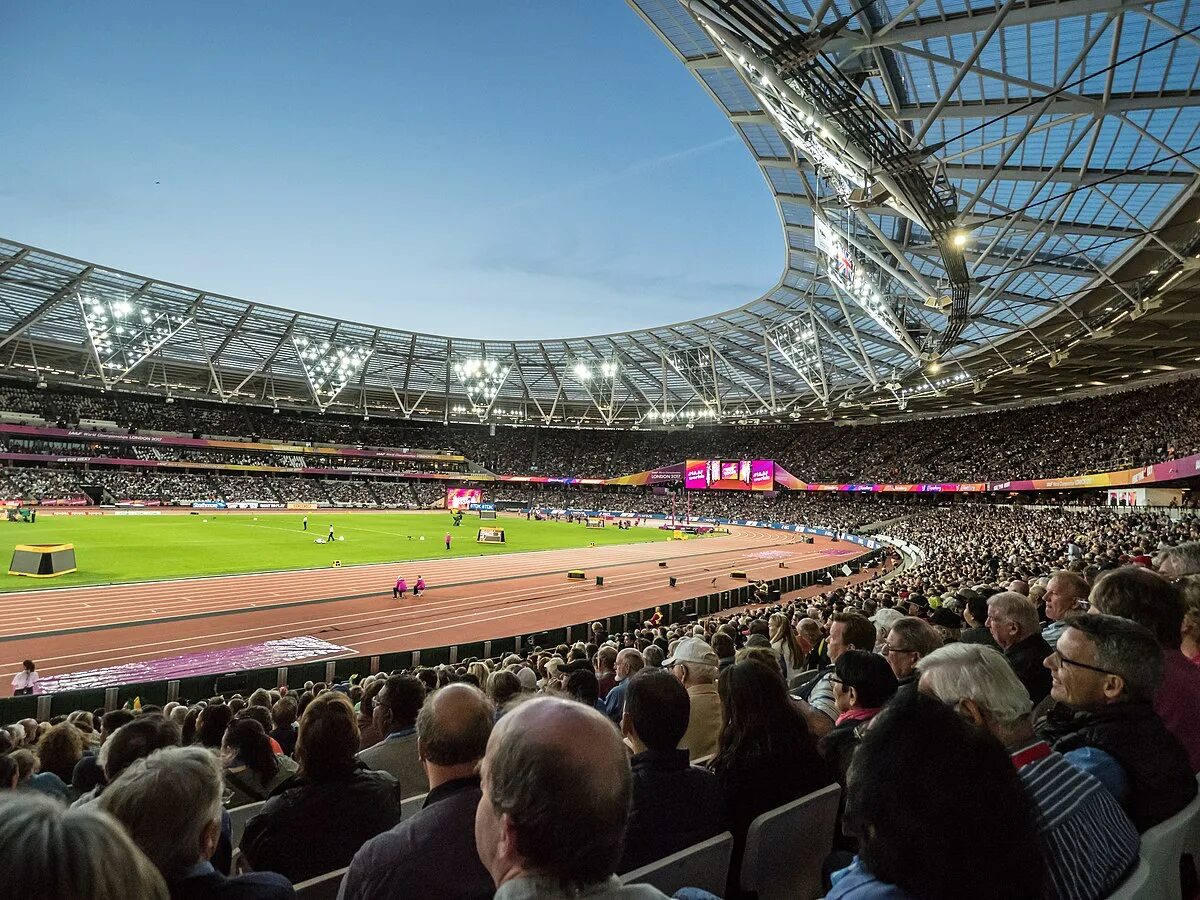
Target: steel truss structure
<point>1008,189</point>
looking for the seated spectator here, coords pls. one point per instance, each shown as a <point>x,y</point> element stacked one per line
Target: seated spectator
<point>1140,595</point>
<point>10,772</point>
<point>606,676</point>
<point>694,663</point>
<point>59,750</point>
<point>369,734</point>
<point>1013,621</point>
<point>170,803</point>
<point>847,631</point>
<point>581,686</point>
<point>1180,560</point>
<point>316,822</point>
<point>252,769</point>
<point>88,772</point>
<point>766,756</point>
<point>1088,843</point>
<point>211,725</point>
<point>909,640</point>
<point>131,742</point>
<point>395,714</point>
<point>556,792</point>
<point>1190,645</point>
<point>503,686</point>
<point>29,778</point>
<point>725,649</point>
<point>922,771</point>
<point>1066,593</point>
<point>283,715</point>
<point>1106,670</point>
<point>862,683</point>
<point>975,613</point>
<point>675,805</point>
<point>49,852</point>
<point>432,855</point>
<point>812,640</point>
<point>786,643</point>
<point>947,624</point>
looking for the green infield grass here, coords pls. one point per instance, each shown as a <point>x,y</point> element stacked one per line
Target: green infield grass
<point>113,549</point>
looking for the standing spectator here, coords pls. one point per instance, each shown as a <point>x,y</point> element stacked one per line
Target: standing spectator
<point>1106,670</point>
<point>629,663</point>
<point>252,769</point>
<point>786,643</point>
<point>170,803</point>
<point>395,714</point>
<point>766,756</point>
<point>25,681</point>
<point>432,855</point>
<point>908,640</point>
<point>675,805</point>
<point>1088,842</point>
<point>921,770</point>
<point>556,792</point>
<point>1013,621</point>
<point>694,663</point>
<point>319,820</point>
<point>1140,595</point>
<point>1066,593</point>
<point>49,852</point>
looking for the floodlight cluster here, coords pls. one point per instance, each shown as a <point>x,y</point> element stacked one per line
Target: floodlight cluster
<point>585,372</point>
<point>685,415</point>
<point>329,367</point>
<point>481,378</point>
<point>122,333</point>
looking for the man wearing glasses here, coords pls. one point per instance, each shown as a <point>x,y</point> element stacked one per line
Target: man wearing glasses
<point>1104,673</point>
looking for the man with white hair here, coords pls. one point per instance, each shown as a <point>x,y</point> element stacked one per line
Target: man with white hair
<point>170,803</point>
<point>1013,621</point>
<point>695,664</point>
<point>629,663</point>
<point>1088,841</point>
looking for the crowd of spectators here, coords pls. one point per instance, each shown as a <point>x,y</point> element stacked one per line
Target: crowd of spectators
<point>1030,687</point>
<point>1117,430</point>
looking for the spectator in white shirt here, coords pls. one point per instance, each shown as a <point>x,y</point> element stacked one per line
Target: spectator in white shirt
<point>26,680</point>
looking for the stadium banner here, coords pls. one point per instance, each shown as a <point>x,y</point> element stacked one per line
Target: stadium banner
<point>490,536</point>
<point>545,479</point>
<point>295,505</point>
<point>113,437</point>
<point>463,498</point>
<point>208,504</point>
<point>661,475</point>
<point>133,502</point>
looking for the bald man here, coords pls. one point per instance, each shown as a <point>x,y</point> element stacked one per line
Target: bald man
<point>1066,593</point>
<point>432,855</point>
<point>556,790</point>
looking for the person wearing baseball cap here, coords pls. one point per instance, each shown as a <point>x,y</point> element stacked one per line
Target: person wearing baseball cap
<point>695,664</point>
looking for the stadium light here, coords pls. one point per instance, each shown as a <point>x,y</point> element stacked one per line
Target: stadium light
<point>329,367</point>
<point>123,334</point>
<point>481,378</point>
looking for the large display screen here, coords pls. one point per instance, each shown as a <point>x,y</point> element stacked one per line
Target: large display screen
<point>729,475</point>
<point>462,498</point>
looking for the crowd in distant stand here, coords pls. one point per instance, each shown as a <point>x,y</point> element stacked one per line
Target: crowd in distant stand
<point>1117,430</point>
<point>1030,688</point>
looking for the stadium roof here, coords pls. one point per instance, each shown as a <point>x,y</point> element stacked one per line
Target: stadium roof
<point>981,201</point>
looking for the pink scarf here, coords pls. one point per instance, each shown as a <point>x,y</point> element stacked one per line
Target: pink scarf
<point>857,715</point>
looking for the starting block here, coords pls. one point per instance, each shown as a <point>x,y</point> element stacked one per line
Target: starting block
<point>737,574</point>
<point>576,573</point>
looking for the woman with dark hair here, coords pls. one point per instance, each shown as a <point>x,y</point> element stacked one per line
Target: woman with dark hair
<point>315,822</point>
<point>862,683</point>
<point>283,714</point>
<point>188,728</point>
<point>919,771</point>
<point>252,768</point>
<point>211,725</point>
<point>765,755</point>
<point>502,687</point>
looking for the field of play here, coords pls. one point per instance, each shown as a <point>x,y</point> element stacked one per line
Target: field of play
<point>112,549</point>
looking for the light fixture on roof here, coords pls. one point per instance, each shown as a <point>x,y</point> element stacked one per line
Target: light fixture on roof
<point>960,238</point>
<point>123,334</point>
<point>481,377</point>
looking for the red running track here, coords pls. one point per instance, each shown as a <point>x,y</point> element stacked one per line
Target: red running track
<point>470,599</point>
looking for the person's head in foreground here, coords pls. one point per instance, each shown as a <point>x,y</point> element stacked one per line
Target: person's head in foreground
<point>556,791</point>
<point>922,771</point>
<point>50,852</point>
<point>1103,659</point>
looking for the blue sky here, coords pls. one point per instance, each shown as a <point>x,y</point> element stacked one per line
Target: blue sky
<point>518,169</point>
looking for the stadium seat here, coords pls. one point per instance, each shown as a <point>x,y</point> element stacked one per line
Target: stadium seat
<point>800,679</point>
<point>323,887</point>
<point>1138,886</point>
<point>410,806</point>
<point>239,816</point>
<point>786,847</point>
<point>704,865</point>
<point>1162,847</point>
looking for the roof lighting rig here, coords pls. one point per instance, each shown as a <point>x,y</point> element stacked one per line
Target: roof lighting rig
<point>857,151</point>
<point>481,378</point>
<point>328,366</point>
<point>123,332</point>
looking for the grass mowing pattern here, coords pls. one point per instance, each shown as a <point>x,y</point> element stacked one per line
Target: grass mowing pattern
<point>112,549</point>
